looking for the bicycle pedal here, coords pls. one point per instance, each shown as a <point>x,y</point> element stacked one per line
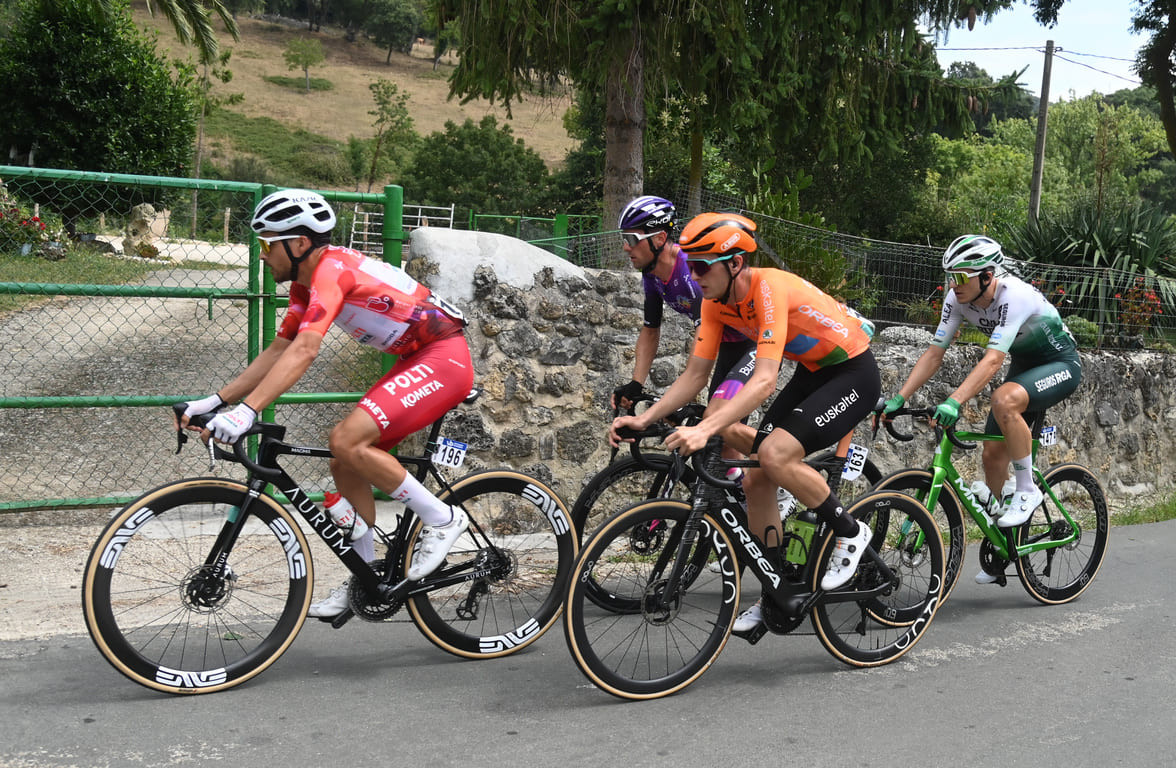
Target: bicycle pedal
<point>341,619</point>
<point>752,636</point>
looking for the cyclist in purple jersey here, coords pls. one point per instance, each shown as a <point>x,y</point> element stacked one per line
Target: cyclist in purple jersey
<point>646,225</point>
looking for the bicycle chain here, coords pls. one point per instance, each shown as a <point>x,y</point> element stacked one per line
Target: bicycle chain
<point>362,603</point>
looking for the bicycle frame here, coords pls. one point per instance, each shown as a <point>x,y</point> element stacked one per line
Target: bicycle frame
<point>943,472</point>
<point>266,470</point>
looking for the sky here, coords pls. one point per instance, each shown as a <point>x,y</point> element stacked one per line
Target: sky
<point>1094,47</point>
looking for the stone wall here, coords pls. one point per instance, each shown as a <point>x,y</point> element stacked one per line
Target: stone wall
<point>551,340</point>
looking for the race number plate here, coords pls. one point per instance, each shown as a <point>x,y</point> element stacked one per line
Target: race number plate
<point>1049,436</point>
<point>450,453</point>
<point>855,461</point>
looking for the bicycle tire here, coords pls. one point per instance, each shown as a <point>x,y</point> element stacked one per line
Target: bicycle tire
<point>155,616</point>
<point>1060,574</point>
<point>649,653</point>
<point>615,488</point>
<point>948,513</point>
<point>851,631</point>
<point>500,615</point>
<point>827,461</point>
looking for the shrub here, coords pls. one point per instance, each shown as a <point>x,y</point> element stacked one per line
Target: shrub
<point>1085,331</point>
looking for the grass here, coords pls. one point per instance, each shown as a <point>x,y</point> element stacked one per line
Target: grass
<point>299,83</point>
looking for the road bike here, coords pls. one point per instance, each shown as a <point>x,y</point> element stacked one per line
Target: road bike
<point>846,467</point>
<point>201,584</point>
<point>1057,552</point>
<point>671,615</point>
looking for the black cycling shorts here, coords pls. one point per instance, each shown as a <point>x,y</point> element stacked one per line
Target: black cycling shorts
<point>1047,383</point>
<point>820,407</point>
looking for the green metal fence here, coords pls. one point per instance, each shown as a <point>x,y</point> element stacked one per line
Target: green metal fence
<point>92,362</point>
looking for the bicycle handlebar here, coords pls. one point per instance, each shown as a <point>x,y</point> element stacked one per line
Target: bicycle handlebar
<point>925,413</point>
<point>702,458</point>
<point>238,455</point>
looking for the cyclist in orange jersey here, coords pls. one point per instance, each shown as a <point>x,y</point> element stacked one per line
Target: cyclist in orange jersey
<point>835,385</point>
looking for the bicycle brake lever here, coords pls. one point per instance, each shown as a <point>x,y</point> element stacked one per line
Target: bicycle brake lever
<point>211,455</point>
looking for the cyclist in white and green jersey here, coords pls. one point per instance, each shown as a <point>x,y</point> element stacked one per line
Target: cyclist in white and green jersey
<point>1044,368</point>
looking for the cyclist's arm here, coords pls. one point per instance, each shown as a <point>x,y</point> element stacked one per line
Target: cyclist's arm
<point>286,370</point>
<point>929,362</point>
<point>647,341</point>
<point>721,414</point>
<point>988,367</point>
<point>684,389</point>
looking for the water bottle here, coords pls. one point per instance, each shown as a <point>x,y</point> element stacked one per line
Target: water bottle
<point>344,515</point>
<point>800,529</point>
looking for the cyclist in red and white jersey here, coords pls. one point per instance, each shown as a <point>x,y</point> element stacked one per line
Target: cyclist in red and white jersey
<point>377,304</point>
<point>835,385</point>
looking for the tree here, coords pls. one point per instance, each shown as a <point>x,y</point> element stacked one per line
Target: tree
<point>191,20</point>
<point>394,24</point>
<point>393,124</point>
<point>479,167</point>
<point>304,53</point>
<point>835,76</point>
<point>1155,58</point>
<point>89,92</point>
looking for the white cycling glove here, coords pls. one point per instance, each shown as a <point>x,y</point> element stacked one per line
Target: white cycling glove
<point>203,405</point>
<point>228,427</point>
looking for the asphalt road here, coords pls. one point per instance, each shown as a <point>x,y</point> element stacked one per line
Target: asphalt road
<point>998,680</point>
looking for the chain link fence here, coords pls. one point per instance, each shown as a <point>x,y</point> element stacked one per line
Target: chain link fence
<point>138,293</point>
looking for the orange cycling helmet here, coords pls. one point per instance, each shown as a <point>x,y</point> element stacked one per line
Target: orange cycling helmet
<point>721,234</point>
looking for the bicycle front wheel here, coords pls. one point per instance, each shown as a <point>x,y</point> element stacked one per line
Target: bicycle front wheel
<point>1061,573</point>
<point>948,514</point>
<point>876,629</point>
<point>522,544</point>
<point>668,640</point>
<point>623,483</point>
<point>165,618</point>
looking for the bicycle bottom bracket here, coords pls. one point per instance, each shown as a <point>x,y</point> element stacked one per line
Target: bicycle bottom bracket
<point>368,606</point>
<point>779,621</point>
<point>993,564</point>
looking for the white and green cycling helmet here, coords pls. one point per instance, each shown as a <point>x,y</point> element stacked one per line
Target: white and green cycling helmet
<point>972,253</point>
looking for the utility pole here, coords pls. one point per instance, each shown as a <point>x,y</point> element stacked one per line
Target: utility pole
<point>1039,146</point>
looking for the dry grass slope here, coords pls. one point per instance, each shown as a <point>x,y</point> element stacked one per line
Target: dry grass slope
<point>350,67</point>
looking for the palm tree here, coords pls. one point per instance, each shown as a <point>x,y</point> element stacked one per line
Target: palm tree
<point>191,19</point>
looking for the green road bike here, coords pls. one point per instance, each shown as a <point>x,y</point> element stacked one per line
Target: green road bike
<point>1057,552</point>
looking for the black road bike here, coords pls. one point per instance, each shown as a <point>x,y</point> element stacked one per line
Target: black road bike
<point>669,614</point>
<point>201,584</point>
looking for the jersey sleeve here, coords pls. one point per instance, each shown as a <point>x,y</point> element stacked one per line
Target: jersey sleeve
<point>295,311</point>
<point>1018,308</point>
<point>710,332</point>
<point>654,306</point>
<point>949,322</point>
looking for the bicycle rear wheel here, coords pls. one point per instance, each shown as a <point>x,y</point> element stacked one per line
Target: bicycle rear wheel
<point>669,641</point>
<point>949,517</point>
<point>907,540</point>
<point>165,619</point>
<point>1060,574</point>
<point>523,544</point>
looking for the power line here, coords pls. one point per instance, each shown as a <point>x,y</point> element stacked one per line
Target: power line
<point>1100,71</point>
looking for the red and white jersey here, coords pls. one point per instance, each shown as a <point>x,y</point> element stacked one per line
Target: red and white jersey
<point>376,303</point>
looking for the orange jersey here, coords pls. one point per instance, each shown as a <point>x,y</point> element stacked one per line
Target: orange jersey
<point>376,303</point>
<point>788,317</point>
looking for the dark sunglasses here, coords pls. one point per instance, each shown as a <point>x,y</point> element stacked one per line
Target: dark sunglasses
<point>701,266</point>
<point>631,239</point>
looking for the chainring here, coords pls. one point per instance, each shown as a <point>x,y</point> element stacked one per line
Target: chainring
<point>777,621</point>
<point>362,602</point>
<point>992,564</point>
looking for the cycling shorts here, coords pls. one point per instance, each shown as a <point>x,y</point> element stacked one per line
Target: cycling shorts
<point>1047,384</point>
<point>419,389</point>
<point>734,365</point>
<point>820,407</point>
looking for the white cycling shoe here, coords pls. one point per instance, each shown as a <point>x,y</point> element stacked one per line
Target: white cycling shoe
<point>1018,508</point>
<point>434,544</point>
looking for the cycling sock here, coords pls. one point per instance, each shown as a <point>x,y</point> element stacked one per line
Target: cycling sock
<point>831,511</point>
<point>1023,470</point>
<point>428,507</point>
<point>365,546</point>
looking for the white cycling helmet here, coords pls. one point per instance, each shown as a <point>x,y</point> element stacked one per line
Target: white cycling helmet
<point>292,208</point>
<point>972,253</point>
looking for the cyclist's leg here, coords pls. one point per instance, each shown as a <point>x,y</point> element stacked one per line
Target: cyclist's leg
<point>417,391</point>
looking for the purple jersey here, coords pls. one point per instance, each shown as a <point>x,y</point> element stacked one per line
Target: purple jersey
<point>682,295</point>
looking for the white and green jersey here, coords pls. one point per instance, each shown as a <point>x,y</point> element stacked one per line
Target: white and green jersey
<point>1019,322</point>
